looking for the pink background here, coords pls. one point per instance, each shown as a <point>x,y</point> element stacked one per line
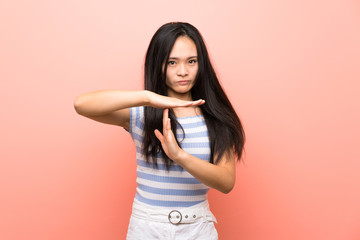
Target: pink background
<point>291,69</point>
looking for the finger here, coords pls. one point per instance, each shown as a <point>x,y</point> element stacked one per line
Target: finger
<point>198,102</point>
<point>186,104</point>
<point>168,125</point>
<point>165,120</point>
<point>190,103</point>
<point>165,117</point>
<point>159,135</point>
<point>166,114</point>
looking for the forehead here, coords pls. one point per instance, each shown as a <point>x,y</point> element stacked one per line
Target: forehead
<point>184,47</point>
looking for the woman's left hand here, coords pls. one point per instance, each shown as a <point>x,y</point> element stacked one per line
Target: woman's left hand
<point>220,176</point>
<point>167,138</point>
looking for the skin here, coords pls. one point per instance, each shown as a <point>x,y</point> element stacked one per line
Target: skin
<point>112,107</point>
<point>182,68</point>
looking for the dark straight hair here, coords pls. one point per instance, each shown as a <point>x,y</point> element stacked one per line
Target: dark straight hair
<point>225,130</point>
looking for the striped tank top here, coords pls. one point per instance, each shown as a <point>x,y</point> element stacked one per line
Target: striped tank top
<point>176,187</point>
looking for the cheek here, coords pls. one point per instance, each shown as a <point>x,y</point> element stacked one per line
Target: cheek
<point>195,70</point>
<point>169,74</point>
<point>168,79</point>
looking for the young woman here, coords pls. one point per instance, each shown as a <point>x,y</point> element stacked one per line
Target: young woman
<point>186,132</point>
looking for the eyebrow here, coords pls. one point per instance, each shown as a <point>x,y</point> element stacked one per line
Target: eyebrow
<point>176,58</point>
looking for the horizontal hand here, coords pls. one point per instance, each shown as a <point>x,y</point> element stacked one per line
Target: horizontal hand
<point>159,101</point>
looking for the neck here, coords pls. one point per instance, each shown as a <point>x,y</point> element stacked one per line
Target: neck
<point>182,96</point>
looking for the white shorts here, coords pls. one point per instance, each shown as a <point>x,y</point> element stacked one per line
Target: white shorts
<point>153,223</point>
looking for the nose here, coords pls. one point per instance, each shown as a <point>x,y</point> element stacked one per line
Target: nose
<point>182,70</point>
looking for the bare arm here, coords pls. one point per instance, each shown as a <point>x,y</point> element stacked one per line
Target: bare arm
<point>112,106</point>
<point>220,176</point>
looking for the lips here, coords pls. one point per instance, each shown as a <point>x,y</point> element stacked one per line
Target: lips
<point>183,82</point>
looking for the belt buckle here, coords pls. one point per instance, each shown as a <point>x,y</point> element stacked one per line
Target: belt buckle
<point>175,217</point>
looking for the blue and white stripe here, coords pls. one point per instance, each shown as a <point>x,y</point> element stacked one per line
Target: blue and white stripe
<point>176,187</point>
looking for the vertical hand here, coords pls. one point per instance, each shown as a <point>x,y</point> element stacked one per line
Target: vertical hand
<point>167,138</point>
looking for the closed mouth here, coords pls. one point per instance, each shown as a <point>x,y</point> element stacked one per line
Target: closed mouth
<point>182,82</point>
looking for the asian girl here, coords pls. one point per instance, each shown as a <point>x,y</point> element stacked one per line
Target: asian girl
<point>186,132</point>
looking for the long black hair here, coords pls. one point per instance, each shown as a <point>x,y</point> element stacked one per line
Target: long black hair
<point>225,130</point>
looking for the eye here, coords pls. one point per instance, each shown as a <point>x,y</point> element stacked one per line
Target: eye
<point>192,61</point>
<point>171,63</point>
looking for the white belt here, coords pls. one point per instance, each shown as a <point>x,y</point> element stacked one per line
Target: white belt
<point>175,216</point>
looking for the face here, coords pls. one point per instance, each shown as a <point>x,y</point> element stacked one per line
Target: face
<point>182,68</point>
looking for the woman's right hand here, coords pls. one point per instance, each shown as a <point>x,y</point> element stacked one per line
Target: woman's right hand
<point>159,101</point>
<point>112,106</point>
